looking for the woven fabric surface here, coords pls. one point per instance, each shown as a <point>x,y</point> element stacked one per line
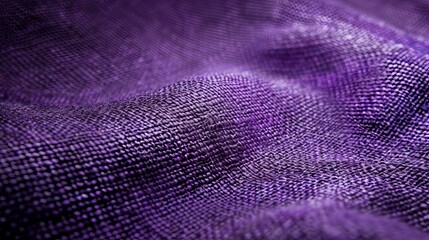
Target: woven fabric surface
<point>214,119</point>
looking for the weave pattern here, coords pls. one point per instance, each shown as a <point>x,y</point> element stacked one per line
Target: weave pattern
<point>239,119</point>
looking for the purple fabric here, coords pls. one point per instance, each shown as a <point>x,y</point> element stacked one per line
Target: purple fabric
<point>214,119</point>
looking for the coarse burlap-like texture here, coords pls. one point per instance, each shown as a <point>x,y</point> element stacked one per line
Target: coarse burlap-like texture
<point>214,119</point>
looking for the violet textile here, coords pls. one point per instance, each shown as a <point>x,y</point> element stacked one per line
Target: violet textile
<point>214,119</point>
